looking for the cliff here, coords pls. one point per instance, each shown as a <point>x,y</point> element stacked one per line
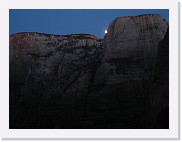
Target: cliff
<point>130,48</point>
<point>79,81</point>
<point>159,91</point>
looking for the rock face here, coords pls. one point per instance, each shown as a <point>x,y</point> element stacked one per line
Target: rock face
<point>131,46</point>
<point>79,81</point>
<point>49,74</point>
<point>159,96</point>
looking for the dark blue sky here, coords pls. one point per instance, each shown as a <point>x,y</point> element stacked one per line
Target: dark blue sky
<point>67,21</point>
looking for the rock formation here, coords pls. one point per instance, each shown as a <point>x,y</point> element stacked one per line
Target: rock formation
<point>79,81</point>
<point>131,46</point>
<point>159,92</point>
<point>51,71</point>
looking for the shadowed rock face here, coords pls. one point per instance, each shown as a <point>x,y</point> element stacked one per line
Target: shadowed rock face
<point>159,94</point>
<point>79,81</point>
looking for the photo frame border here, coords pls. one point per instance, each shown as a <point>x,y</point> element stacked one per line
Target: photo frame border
<point>171,133</point>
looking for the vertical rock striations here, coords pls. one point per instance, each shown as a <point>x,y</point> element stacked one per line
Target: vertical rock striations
<point>131,46</point>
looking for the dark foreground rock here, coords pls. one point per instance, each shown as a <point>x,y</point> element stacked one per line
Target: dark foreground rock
<point>159,92</point>
<point>79,81</point>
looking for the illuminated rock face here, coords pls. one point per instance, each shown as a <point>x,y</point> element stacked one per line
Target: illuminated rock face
<point>79,81</point>
<point>38,56</point>
<point>130,48</point>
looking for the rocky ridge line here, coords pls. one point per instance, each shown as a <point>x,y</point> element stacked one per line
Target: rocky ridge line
<point>79,81</point>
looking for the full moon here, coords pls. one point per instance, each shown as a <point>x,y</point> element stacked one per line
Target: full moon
<point>105,31</point>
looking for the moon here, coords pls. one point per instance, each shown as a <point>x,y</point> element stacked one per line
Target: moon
<point>105,31</point>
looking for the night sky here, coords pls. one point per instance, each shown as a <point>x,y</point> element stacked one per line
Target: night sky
<point>67,21</point>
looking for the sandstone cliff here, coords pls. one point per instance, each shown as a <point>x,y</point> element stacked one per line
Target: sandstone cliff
<point>79,81</point>
<point>50,73</point>
<point>130,48</point>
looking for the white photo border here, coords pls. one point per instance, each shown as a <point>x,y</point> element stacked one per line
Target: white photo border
<point>171,133</point>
